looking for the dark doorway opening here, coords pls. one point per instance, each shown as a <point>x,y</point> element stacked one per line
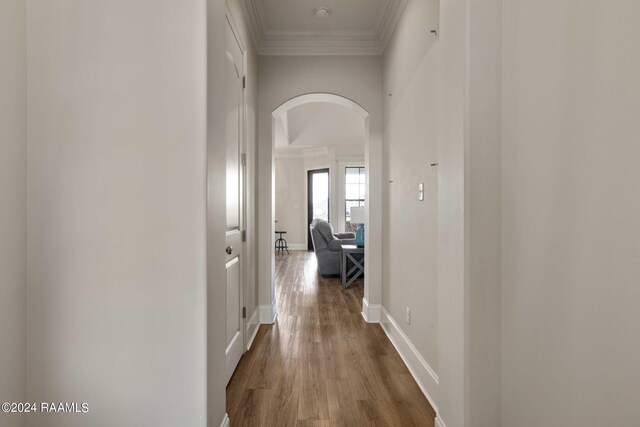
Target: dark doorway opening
<point>318,195</point>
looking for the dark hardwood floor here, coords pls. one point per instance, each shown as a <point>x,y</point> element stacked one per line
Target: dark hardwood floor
<point>321,364</point>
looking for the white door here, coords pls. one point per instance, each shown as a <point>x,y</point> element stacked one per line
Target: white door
<point>234,256</point>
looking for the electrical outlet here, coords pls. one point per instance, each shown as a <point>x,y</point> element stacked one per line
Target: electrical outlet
<point>421,192</point>
<point>408,319</point>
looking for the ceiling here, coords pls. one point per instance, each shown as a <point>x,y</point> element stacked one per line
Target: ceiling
<point>319,124</point>
<point>353,27</point>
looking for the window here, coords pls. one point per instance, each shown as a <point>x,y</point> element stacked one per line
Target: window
<point>354,189</point>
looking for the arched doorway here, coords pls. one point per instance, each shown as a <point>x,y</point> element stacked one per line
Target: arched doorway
<point>372,285</point>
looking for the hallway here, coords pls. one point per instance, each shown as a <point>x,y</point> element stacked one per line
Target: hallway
<point>321,364</point>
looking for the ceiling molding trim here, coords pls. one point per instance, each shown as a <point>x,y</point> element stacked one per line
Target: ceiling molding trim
<point>252,18</point>
<point>318,47</point>
<point>390,21</point>
<point>269,42</point>
<point>315,35</point>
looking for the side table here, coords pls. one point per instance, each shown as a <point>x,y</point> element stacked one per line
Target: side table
<point>351,254</point>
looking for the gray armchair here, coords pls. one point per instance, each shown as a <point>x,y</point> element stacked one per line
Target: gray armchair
<point>327,246</point>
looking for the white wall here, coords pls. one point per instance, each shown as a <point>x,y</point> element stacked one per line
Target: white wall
<point>290,201</point>
<point>13,206</point>
<point>451,53</point>
<point>537,210</point>
<point>117,201</point>
<point>410,226</point>
<point>571,334</point>
<point>483,214</point>
<point>425,123</point>
<point>284,77</point>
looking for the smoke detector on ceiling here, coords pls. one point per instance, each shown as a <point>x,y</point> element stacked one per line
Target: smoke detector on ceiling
<point>321,12</point>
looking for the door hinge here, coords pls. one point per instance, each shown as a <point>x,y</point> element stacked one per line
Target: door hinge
<point>243,159</point>
<point>244,312</point>
<point>244,82</point>
<point>244,235</point>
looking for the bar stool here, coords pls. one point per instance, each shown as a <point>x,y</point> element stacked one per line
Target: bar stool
<point>281,243</point>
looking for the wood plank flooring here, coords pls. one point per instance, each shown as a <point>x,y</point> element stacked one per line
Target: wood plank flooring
<point>321,364</point>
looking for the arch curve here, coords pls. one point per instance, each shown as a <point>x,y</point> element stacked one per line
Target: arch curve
<point>331,98</point>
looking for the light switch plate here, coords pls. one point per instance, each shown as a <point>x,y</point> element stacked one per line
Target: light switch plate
<point>421,192</point>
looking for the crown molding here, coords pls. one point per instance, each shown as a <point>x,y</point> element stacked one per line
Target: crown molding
<point>318,47</point>
<point>269,42</point>
<point>253,19</point>
<point>389,22</point>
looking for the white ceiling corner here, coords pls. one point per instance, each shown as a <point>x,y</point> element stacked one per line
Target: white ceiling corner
<point>302,37</point>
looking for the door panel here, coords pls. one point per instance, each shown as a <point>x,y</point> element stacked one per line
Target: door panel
<point>234,101</point>
<point>234,337</point>
<point>234,131</point>
<point>233,294</point>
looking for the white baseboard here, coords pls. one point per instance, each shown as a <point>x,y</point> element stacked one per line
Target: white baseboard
<point>225,421</point>
<point>268,314</point>
<point>253,324</point>
<point>439,422</point>
<point>370,312</point>
<point>424,375</point>
<point>297,246</point>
